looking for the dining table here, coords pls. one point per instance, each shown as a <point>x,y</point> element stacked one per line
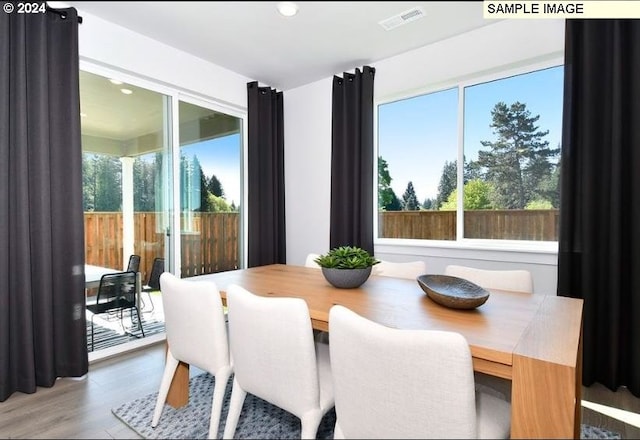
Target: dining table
<point>93,274</point>
<point>533,340</point>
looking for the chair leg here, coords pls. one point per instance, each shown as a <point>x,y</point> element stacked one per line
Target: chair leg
<point>92,332</point>
<point>139,321</point>
<point>309,425</point>
<point>153,307</point>
<point>169,370</point>
<point>219,389</point>
<point>235,407</point>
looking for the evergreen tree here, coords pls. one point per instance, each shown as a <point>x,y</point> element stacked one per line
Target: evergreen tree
<point>205,201</point>
<point>107,175</point>
<point>215,187</point>
<point>88,183</point>
<point>519,159</point>
<point>387,199</point>
<point>429,204</point>
<point>409,198</point>
<point>448,182</point>
<point>144,187</point>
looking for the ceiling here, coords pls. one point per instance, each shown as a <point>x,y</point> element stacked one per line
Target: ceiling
<point>323,39</point>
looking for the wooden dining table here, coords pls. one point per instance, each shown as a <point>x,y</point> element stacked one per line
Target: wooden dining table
<point>534,340</point>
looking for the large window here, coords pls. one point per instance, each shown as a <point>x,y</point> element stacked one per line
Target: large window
<point>476,161</point>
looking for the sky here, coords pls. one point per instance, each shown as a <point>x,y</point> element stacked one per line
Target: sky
<point>416,136</point>
<point>220,157</point>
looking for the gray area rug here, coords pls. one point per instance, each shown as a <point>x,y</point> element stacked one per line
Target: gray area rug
<point>259,419</point>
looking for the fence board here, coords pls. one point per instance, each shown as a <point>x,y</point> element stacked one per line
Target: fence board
<point>211,246</point>
<point>524,224</point>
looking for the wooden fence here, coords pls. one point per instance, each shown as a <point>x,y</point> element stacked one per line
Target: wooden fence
<point>514,224</point>
<point>212,242</point>
<point>210,246</point>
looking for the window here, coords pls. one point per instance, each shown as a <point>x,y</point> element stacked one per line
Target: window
<point>506,132</point>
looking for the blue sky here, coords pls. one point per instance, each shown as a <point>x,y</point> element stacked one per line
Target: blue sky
<point>221,157</point>
<point>416,136</point>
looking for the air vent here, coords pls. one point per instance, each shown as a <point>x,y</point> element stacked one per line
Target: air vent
<point>402,18</point>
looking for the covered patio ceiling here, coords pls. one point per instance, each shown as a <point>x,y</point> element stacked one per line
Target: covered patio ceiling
<point>130,125</point>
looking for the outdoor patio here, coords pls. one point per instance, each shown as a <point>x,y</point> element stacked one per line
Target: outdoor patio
<point>108,329</point>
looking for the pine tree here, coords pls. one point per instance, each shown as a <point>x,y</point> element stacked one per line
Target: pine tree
<point>387,199</point>
<point>448,182</point>
<point>409,199</point>
<point>519,159</point>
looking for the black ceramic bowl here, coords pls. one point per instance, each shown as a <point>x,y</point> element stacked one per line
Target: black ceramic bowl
<point>453,292</point>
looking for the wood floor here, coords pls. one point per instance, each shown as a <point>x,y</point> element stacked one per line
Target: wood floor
<point>81,408</point>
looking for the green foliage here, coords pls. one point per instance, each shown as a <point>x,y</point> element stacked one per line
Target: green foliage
<point>102,183</point>
<point>346,257</point>
<point>145,176</point>
<point>387,199</point>
<point>539,204</point>
<point>448,182</point>
<point>218,204</point>
<point>215,187</point>
<point>477,195</point>
<point>519,160</point>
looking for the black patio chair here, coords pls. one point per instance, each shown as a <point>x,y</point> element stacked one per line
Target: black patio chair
<point>153,284</point>
<point>134,263</point>
<point>116,293</point>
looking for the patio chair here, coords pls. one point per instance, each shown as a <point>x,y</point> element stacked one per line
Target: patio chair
<point>134,263</point>
<point>153,285</point>
<point>398,383</point>
<point>116,293</point>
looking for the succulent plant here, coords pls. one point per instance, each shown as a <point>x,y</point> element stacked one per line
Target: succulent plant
<point>346,257</point>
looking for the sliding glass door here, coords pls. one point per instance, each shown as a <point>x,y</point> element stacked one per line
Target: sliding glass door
<point>210,182</point>
<point>127,188</point>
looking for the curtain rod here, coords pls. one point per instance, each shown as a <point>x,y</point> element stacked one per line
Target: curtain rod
<point>62,13</point>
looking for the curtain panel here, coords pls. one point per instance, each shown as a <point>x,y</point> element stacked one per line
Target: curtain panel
<point>599,242</point>
<point>266,211</point>
<point>42,319</point>
<point>352,177</point>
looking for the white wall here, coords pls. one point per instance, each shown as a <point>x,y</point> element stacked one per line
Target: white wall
<point>106,44</point>
<point>498,46</point>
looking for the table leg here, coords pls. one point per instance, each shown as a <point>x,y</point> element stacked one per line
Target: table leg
<point>179,390</point>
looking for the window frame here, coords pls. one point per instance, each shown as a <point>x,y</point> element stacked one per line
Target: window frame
<point>544,247</point>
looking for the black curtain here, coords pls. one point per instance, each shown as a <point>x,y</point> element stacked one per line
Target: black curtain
<point>266,211</point>
<point>42,318</point>
<point>352,160</point>
<point>599,243</point>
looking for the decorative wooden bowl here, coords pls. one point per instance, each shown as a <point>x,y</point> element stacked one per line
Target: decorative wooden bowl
<point>453,292</point>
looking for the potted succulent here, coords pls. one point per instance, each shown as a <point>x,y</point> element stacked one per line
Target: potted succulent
<point>346,267</point>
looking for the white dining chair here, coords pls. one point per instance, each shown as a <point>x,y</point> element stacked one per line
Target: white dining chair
<point>516,280</point>
<point>276,359</point>
<point>409,270</point>
<point>310,261</point>
<point>397,383</point>
<point>196,334</point>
